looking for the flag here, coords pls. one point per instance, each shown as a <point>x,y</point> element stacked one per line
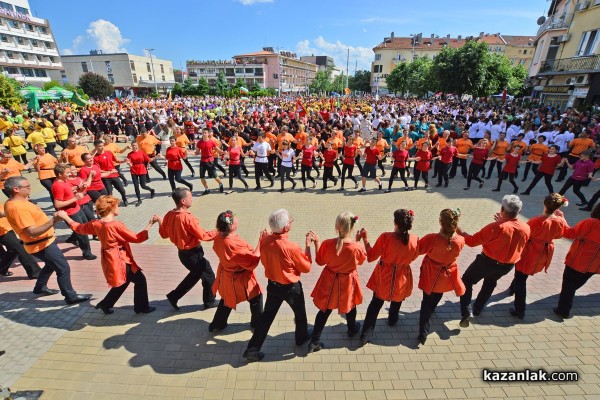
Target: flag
<point>119,102</point>
<point>300,109</point>
<point>332,103</point>
<point>504,95</point>
<point>170,95</point>
<point>243,90</point>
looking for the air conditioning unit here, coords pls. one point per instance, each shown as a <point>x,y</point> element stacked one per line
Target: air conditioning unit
<point>569,81</point>
<point>582,5</point>
<point>582,80</point>
<point>562,38</point>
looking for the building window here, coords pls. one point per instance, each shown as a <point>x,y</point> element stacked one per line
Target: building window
<point>134,78</point>
<point>14,23</point>
<point>377,57</point>
<point>522,62</point>
<point>162,69</point>
<point>377,68</point>
<point>25,56</point>
<point>163,78</point>
<point>11,70</point>
<point>148,67</point>
<point>48,45</point>
<point>588,44</point>
<point>3,37</point>
<point>43,30</point>
<point>6,6</point>
<point>258,71</point>
<point>27,72</point>
<point>108,67</point>
<point>84,66</point>
<point>29,27</point>
<point>34,43</point>
<point>150,78</point>
<point>38,57</point>
<point>524,51</point>
<point>10,54</point>
<point>22,10</point>
<point>41,73</point>
<point>20,40</point>
<point>132,65</point>
<point>239,70</point>
<point>111,78</point>
<point>51,59</point>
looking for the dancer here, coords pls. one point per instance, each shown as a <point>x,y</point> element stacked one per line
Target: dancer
<point>583,169</point>
<point>235,156</point>
<point>392,278</point>
<point>329,156</point>
<point>383,145</point>
<point>308,152</point>
<point>349,153</point>
<point>536,152</point>
<point>175,155</point>
<point>44,165</point>
<point>423,159</point>
<point>148,143</point>
<point>338,286</point>
<point>463,146</point>
<point>73,153</point>
<point>480,155</point>
<point>235,280</point>
<point>14,248</point>
<point>261,150</point>
<point>96,187</point>
<point>547,165</point>
<point>444,161</point>
<point>110,177</point>
<point>401,158</point>
<point>287,156</point>
<point>9,167</point>
<point>511,162</point>
<point>499,149</point>
<point>118,264</point>
<point>439,271</point>
<point>137,161</point>
<point>183,143</point>
<point>369,170</point>
<point>205,148</point>
<point>539,249</point>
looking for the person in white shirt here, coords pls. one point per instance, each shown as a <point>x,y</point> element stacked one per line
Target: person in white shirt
<point>495,130</point>
<point>261,151</point>
<point>288,156</point>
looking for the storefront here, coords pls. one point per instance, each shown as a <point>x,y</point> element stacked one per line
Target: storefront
<point>556,96</point>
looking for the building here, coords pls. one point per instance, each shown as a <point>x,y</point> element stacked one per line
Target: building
<point>28,51</point>
<point>249,73</point>
<point>322,63</point>
<point>128,73</point>
<point>566,65</point>
<point>394,50</point>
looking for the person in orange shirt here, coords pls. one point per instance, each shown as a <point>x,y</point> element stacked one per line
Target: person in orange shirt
<point>44,165</point>
<point>359,143</point>
<point>537,255</point>
<point>14,248</point>
<point>338,286</point>
<point>148,144</point>
<point>9,167</point>
<point>183,229</point>
<point>499,150</point>
<point>439,271</point>
<point>272,157</point>
<point>536,152</point>
<point>72,154</point>
<point>284,135</point>
<point>577,146</point>
<point>463,146</point>
<point>111,146</point>
<point>392,278</point>
<point>236,281</point>
<point>216,153</point>
<point>182,141</point>
<point>582,261</point>
<point>503,242</point>
<point>383,146</point>
<point>118,265</point>
<point>284,262</point>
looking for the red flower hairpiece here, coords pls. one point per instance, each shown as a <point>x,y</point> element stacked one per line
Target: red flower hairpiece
<point>355,218</point>
<point>565,202</point>
<point>411,213</point>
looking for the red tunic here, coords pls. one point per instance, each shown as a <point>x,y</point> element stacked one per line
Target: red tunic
<point>106,161</point>
<point>338,286</point>
<point>439,271</point>
<point>97,183</point>
<point>116,253</point>
<point>539,249</point>
<point>174,155</point>
<point>138,161</point>
<point>235,280</point>
<point>584,254</point>
<point>392,278</point>
<point>424,163</point>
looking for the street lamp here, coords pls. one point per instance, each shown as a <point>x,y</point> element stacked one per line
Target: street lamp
<point>152,69</point>
<point>415,38</point>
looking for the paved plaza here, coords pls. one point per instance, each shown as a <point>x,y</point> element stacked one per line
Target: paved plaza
<point>77,352</point>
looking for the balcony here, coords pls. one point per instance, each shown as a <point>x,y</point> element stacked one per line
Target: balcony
<point>562,21</point>
<point>563,66</point>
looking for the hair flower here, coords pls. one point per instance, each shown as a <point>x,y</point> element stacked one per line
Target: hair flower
<point>565,202</point>
<point>411,213</point>
<point>355,218</point>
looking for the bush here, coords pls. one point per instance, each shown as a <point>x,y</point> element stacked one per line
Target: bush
<point>95,85</point>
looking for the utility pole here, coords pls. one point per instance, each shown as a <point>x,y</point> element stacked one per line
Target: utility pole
<point>152,69</point>
<point>347,64</point>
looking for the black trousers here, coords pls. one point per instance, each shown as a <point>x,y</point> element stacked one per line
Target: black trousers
<point>563,170</point>
<point>395,171</point>
<point>491,168</point>
<point>347,173</point>
<point>328,175</point>
<point>519,286</point>
<point>14,249</point>
<point>88,210</point>
<point>140,291</point>
<point>511,178</point>
<point>200,269</point>
<point>219,166</point>
<point>222,314</point>
<point>110,183</point>
<point>305,170</point>
<point>285,174</point>
<point>490,271</point>
<point>121,176</point>
<point>47,184</point>
<point>443,171</point>
<point>83,240</point>
<point>55,261</point>
<point>547,180</point>
<point>474,170</point>
<point>140,180</point>
<point>572,280</point>
<point>358,164</point>
<point>321,320</point>
<point>189,165</point>
<point>259,170</point>
<point>380,165</point>
<point>373,312</point>
<point>95,194</point>
<point>175,176</point>
<point>577,185</point>
<point>528,166</point>
<point>277,293</point>
<point>463,166</point>
<point>236,171</point>
<point>158,169</point>
<point>418,173</point>
<point>428,306</point>
<point>594,199</point>
<point>50,149</point>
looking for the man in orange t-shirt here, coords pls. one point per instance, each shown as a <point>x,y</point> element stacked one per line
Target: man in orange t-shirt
<point>284,262</point>
<point>72,154</point>
<point>148,144</point>
<point>14,248</point>
<point>536,152</point>
<point>183,229</point>
<point>9,167</point>
<point>463,146</point>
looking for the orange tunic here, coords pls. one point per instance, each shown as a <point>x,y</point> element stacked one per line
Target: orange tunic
<point>392,278</point>
<point>283,259</point>
<point>409,142</point>
<point>116,253</point>
<point>182,141</point>
<point>301,139</point>
<point>4,224</point>
<point>382,144</point>
<point>536,151</point>
<point>184,230</point>
<point>14,169</point>
<point>503,240</point>
<point>540,246</point>
<point>147,144</point>
<point>500,149</point>
<point>114,148</point>
<point>463,146</point>
<point>235,279</point>
<point>22,214</point>
<point>45,165</point>
<point>338,286</point>
<point>584,254</point>
<point>439,271</point>
<point>579,145</point>
<point>73,156</point>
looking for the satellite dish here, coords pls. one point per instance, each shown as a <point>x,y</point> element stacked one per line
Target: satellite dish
<point>541,20</point>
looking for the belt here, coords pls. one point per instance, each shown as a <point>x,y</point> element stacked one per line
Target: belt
<point>37,241</point>
<point>281,284</point>
<point>497,262</point>
<point>199,247</point>
<point>46,169</point>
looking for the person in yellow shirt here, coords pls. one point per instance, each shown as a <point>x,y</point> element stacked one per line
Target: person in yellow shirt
<point>499,150</point>
<point>36,137</point>
<point>49,139</point>
<point>16,145</point>
<point>62,133</point>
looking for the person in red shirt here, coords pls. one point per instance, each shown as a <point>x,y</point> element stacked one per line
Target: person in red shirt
<point>503,242</point>
<point>439,270</point>
<point>369,170</point>
<point>96,187</point>
<point>401,158</point>
<point>582,261</point>
<point>511,162</point>
<point>338,286</point>
<point>183,229</point>
<point>235,157</point>
<point>480,155</point>
<point>284,262</point>
<point>444,161</point>
<point>423,157</point>
<point>137,161</point>
<point>236,281</point>
<point>175,155</point>
<point>78,184</point>
<point>306,165</point>
<point>547,165</point>
<point>539,249</point>
<point>349,153</point>
<point>110,177</point>
<point>329,156</point>
<point>392,278</point>
<point>66,200</point>
<point>205,148</point>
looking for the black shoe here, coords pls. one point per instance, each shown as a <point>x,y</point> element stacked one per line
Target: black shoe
<point>7,273</point>
<point>138,203</point>
<point>253,356</point>
<point>147,310</point>
<point>283,190</point>
<point>212,328</point>
<point>581,204</point>
<point>300,342</point>
<point>526,193</point>
<point>392,320</point>
<point>125,203</point>
<point>341,189</point>
<point>257,188</point>
<point>212,304</point>
<point>563,316</point>
<point>523,180</point>
<point>513,312</point>
<point>46,292</point>
<point>315,346</point>
<point>153,192</point>
<point>303,189</point>
<point>90,257</point>
<point>387,190</point>
<point>246,188</point>
<point>516,190</point>
<point>466,188</point>
<point>495,190</point>
<point>422,338</point>
<point>465,321</point>
<point>173,302</point>
<point>356,329</point>
<point>476,312</point>
<point>558,180</point>
<point>362,190</point>
<point>80,298</point>
<point>356,185</point>
<point>221,189</point>
<point>438,185</point>
<point>480,184</point>
<point>206,191</point>
<point>272,183</point>
<point>294,186</point>
<point>105,310</point>
<point>588,208</point>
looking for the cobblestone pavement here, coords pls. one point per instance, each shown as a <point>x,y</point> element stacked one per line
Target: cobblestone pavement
<point>76,352</point>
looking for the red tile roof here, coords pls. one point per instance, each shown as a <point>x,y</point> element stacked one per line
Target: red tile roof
<point>519,40</point>
<point>425,43</point>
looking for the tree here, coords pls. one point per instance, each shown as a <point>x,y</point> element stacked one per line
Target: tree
<point>49,85</point>
<point>95,85</point>
<point>338,84</point>
<point>322,81</point>
<point>418,82</point>
<point>239,82</point>
<point>221,86</point>
<point>255,87</point>
<point>177,90</point>
<point>498,72</point>
<point>397,80</point>
<point>361,81</point>
<point>9,96</point>
<point>203,88</point>
<point>516,83</point>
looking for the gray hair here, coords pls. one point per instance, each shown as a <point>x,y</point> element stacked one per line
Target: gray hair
<point>13,182</point>
<point>278,220</point>
<point>512,205</point>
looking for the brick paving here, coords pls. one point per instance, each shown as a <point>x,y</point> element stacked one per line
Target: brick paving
<point>76,352</point>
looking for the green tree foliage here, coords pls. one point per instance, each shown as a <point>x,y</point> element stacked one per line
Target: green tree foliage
<point>221,86</point>
<point>203,88</point>
<point>255,87</point>
<point>361,81</point>
<point>516,83</point>
<point>177,90</point>
<point>338,84</point>
<point>239,82</point>
<point>322,81</point>
<point>95,85</point>
<point>9,96</point>
<point>49,85</point>
<point>418,82</point>
<point>397,80</point>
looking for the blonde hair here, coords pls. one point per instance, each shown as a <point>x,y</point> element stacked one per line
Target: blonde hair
<point>449,222</point>
<point>105,205</point>
<point>343,225</point>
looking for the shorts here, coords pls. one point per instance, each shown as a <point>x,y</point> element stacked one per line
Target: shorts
<point>369,171</point>
<point>207,167</point>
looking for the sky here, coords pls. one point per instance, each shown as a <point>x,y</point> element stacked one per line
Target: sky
<point>180,30</point>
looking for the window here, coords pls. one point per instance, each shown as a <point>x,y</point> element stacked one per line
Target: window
<point>41,73</point>
<point>27,72</point>
<point>162,69</point>
<point>38,57</point>
<point>111,78</point>
<point>35,43</point>
<point>6,6</point>
<point>9,54</point>
<point>51,59</point>
<point>48,45</point>
<point>25,56</point>
<point>163,78</point>
<point>84,66</point>
<point>108,67</point>
<point>239,70</point>
<point>3,37</point>
<point>22,10</point>
<point>588,44</point>
<point>43,30</point>
<point>134,78</point>
<point>29,27</point>
<point>20,40</point>
<point>522,62</point>
<point>525,51</point>
<point>377,68</point>
<point>148,67</point>
<point>11,70</point>
<point>377,57</point>
<point>14,23</point>
<point>132,65</point>
<point>150,78</point>
<point>258,71</point>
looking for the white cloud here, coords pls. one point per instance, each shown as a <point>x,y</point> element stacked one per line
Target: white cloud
<point>107,36</point>
<point>251,2</point>
<point>338,51</point>
<point>76,42</point>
